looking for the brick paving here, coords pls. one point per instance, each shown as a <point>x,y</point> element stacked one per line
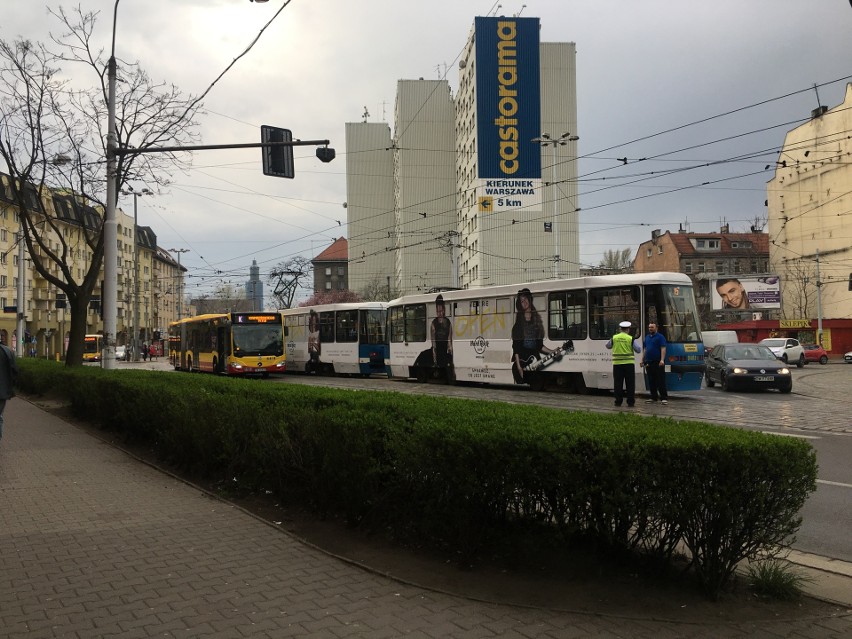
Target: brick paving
<point>95,543</point>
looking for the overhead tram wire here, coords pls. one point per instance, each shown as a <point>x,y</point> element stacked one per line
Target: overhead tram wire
<point>673,129</point>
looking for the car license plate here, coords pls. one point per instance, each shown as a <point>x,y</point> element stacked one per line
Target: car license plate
<point>259,370</point>
<point>765,378</point>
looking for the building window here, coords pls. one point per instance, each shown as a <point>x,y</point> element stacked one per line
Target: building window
<point>648,254</point>
<point>701,267</point>
<point>687,267</point>
<point>341,270</point>
<point>328,286</point>
<point>328,271</point>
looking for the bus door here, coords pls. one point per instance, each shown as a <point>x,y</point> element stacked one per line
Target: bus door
<point>223,348</point>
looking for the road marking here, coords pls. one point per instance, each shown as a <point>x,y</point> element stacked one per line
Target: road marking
<point>773,432</point>
<point>833,483</point>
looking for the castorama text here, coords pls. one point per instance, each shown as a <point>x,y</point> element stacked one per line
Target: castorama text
<point>508,112</point>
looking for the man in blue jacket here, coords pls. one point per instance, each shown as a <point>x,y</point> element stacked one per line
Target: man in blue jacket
<point>654,361</point>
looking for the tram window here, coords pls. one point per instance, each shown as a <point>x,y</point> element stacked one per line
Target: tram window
<point>610,306</point>
<point>396,322</point>
<point>415,323</point>
<point>326,327</point>
<point>346,328</point>
<point>566,315</point>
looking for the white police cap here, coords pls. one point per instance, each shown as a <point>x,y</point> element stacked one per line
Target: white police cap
<point>625,324</point>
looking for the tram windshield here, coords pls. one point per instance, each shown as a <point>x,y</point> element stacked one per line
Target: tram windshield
<point>672,308</point>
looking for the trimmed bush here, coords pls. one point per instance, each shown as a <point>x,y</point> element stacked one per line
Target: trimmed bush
<point>465,475</point>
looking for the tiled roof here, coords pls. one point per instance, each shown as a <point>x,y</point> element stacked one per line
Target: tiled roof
<point>759,242</point>
<point>338,251</point>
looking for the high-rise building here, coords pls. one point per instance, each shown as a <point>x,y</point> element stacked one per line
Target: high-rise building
<point>370,207</point>
<point>476,190</point>
<point>254,288</point>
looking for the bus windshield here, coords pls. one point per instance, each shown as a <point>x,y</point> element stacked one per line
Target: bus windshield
<point>258,339</point>
<point>672,308</point>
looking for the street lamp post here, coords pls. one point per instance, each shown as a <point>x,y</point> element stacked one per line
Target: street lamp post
<point>134,345</point>
<point>110,295</point>
<point>21,326</point>
<point>545,140</point>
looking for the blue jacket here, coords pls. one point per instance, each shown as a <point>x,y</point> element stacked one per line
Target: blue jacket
<point>654,345</point>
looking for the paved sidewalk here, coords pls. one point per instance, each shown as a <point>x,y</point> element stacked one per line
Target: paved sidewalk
<point>94,543</point>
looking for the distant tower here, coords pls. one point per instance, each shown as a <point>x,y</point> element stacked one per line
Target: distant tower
<point>254,288</point>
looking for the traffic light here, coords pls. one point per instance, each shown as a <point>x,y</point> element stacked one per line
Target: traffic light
<point>278,159</point>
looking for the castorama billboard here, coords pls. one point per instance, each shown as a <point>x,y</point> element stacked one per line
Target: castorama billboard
<point>508,113</point>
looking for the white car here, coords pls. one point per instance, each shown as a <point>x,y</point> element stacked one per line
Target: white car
<point>787,349</point>
<point>121,352</point>
<point>847,357</point>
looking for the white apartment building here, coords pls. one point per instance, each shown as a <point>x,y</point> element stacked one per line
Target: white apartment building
<point>808,215</point>
<point>370,205</point>
<point>484,185</point>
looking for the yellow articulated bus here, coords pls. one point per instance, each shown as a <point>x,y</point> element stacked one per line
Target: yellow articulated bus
<point>241,344</point>
<point>92,347</point>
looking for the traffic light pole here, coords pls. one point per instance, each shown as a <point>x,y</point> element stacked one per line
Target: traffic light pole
<point>213,147</point>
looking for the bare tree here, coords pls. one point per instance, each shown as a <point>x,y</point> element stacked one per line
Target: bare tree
<point>286,279</point>
<point>618,261</point>
<point>376,290</point>
<point>799,293</point>
<point>53,140</point>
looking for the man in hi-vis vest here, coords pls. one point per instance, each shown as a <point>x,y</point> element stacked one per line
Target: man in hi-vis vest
<point>624,349</point>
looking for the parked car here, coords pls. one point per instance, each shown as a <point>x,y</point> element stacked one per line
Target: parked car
<point>121,352</point>
<point>786,349</point>
<point>740,366</point>
<point>847,357</point>
<point>815,353</point>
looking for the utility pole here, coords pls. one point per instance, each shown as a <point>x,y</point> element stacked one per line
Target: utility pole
<point>819,301</point>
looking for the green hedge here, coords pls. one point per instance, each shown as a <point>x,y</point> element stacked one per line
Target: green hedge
<point>463,474</point>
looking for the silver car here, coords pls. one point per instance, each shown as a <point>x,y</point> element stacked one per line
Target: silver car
<point>787,349</point>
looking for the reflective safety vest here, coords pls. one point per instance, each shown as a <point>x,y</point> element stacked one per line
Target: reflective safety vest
<point>622,349</point>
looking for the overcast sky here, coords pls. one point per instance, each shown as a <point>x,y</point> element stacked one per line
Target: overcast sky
<point>654,82</point>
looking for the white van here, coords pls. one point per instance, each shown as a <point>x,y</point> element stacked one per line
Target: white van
<point>714,338</point>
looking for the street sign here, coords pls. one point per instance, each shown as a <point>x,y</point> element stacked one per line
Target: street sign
<point>10,309</point>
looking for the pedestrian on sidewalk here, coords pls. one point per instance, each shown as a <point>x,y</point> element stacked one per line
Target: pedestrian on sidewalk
<point>8,377</point>
<point>654,361</point>
<point>624,348</point>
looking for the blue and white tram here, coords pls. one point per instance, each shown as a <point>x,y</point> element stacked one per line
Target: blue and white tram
<point>547,333</point>
<point>342,339</point>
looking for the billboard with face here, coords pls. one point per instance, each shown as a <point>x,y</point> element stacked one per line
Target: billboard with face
<point>744,293</point>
